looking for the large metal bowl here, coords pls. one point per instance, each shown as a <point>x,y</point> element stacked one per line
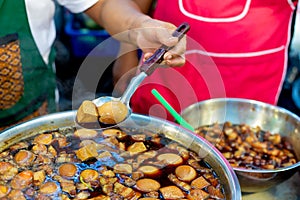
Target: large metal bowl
<point>253,113</point>
<point>140,123</point>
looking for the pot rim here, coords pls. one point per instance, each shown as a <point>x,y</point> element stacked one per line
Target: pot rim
<point>244,100</point>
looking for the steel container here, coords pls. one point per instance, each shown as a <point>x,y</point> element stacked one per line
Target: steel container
<point>268,117</point>
<point>139,123</point>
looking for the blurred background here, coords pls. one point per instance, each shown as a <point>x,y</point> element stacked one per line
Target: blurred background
<point>78,35</point>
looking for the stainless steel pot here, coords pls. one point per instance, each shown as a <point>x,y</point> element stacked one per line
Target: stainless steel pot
<point>253,113</point>
<point>139,123</point>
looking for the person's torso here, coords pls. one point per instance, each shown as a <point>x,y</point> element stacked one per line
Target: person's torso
<point>232,26</point>
<point>26,80</point>
<point>235,48</point>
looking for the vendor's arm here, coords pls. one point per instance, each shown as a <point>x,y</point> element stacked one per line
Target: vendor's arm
<point>128,57</point>
<point>124,67</point>
<point>124,20</point>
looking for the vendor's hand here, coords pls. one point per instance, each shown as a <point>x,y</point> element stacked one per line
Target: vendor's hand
<point>126,22</point>
<point>150,34</point>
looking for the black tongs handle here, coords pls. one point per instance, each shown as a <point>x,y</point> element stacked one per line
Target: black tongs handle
<point>152,63</point>
<point>180,31</point>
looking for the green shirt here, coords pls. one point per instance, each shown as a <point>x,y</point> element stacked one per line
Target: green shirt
<point>39,78</point>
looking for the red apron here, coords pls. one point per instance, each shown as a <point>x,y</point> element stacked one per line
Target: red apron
<point>235,48</point>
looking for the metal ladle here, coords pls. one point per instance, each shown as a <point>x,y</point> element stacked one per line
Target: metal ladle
<point>147,68</point>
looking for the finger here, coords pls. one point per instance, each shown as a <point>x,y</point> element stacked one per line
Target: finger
<point>170,59</point>
<point>165,37</point>
<point>164,34</point>
<point>179,48</point>
<point>147,55</point>
<point>176,61</point>
<point>169,55</point>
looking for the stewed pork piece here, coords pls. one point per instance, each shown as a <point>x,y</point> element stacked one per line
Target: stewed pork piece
<point>85,133</point>
<point>185,173</point>
<point>4,190</point>
<point>48,188</point>
<point>87,113</point>
<point>45,139</point>
<point>24,158</point>
<point>67,170</point>
<point>22,180</point>
<point>147,185</point>
<point>112,112</point>
<point>39,177</point>
<point>172,192</point>
<point>7,171</point>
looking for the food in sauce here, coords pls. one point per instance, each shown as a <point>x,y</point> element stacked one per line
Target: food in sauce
<point>112,164</point>
<point>87,112</point>
<point>249,147</point>
<point>67,170</point>
<point>111,112</point>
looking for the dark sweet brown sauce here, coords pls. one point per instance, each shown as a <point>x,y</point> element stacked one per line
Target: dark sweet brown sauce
<point>249,147</point>
<point>119,150</point>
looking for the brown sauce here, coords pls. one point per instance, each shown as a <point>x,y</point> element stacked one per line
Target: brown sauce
<point>249,147</point>
<point>102,155</point>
